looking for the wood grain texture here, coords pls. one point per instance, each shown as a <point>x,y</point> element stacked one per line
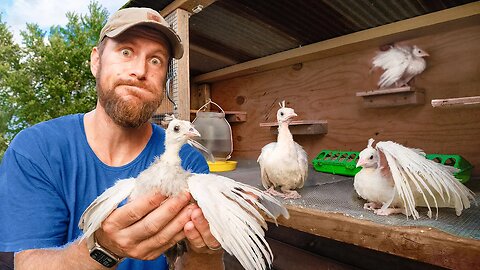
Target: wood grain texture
<point>301,127</point>
<point>418,243</point>
<point>461,101</point>
<point>183,71</point>
<point>326,89</point>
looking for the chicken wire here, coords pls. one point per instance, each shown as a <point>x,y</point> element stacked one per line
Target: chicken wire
<point>171,92</point>
<point>335,194</point>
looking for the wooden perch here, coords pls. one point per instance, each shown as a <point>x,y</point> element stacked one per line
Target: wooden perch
<point>392,97</point>
<point>455,102</point>
<point>301,127</point>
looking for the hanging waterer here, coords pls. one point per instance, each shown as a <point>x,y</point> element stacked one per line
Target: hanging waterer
<point>216,136</point>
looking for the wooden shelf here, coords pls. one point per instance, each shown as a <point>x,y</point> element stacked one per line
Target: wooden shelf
<point>456,102</point>
<point>301,127</point>
<point>231,116</point>
<point>414,239</point>
<point>392,97</point>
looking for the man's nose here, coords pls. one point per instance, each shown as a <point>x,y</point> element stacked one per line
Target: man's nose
<point>138,68</point>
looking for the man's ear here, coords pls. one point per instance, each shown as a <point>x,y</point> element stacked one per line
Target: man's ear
<point>94,61</point>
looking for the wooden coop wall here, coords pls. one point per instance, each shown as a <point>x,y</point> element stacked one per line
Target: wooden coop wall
<point>325,89</point>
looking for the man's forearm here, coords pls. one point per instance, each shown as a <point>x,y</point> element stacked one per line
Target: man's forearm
<point>73,256</point>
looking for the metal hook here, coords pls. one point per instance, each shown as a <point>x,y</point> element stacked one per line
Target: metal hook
<point>167,90</point>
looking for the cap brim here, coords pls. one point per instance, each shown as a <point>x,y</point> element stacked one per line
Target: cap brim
<point>173,38</point>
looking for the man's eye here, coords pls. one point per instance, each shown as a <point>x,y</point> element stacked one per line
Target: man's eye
<point>126,52</point>
<point>155,61</point>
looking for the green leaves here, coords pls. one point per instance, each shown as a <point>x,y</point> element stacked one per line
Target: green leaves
<point>49,75</point>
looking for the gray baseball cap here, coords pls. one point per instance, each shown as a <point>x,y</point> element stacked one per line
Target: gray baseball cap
<point>129,17</point>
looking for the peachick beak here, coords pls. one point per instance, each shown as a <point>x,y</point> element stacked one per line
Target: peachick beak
<point>291,116</point>
<point>192,132</point>
<point>360,163</point>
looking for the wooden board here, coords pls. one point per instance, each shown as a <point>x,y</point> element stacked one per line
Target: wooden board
<point>392,99</point>
<point>456,102</point>
<point>301,127</point>
<point>325,89</point>
<point>418,243</point>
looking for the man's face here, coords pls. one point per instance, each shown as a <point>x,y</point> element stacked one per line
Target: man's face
<point>130,75</point>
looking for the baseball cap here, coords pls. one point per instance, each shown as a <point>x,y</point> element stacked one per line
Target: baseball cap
<point>125,18</point>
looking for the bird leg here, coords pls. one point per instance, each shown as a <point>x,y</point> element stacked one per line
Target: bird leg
<point>389,211</point>
<point>372,206</point>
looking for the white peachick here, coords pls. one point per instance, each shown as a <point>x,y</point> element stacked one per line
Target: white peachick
<point>283,163</point>
<point>400,65</point>
<point>397,179</point>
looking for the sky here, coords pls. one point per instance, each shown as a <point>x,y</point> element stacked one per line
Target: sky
<point>46,13</point>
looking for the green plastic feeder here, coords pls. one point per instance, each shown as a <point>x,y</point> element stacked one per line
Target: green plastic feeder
<point>456,161</point>
<point>336,162</point>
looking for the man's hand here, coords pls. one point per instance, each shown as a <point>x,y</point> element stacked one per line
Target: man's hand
<point>146,227</point>
<point>198,233</point>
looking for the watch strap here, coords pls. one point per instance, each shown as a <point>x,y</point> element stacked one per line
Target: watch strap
<point>100,254</point>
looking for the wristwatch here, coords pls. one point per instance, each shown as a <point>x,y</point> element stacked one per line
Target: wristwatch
<point>101,254</point>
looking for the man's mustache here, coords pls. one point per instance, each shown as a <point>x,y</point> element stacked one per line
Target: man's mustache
<point>134,83</point>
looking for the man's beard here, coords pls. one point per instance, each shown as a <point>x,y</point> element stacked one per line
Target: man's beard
<point>126,113</point>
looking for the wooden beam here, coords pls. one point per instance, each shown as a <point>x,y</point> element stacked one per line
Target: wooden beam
<point>301,127</point>
<point>456,102</point>
<point>212,54</point>
<point>200,96</point>
<point>187,5</point>
<point>453,18</point>
<point>183,71</point>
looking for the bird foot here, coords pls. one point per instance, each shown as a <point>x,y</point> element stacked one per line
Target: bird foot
<point>291,194</point>
<point>388,211</point>
<point>271,190</point>
<point>372,206</point>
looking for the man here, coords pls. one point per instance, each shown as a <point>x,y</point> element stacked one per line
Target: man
<point>54,170</point>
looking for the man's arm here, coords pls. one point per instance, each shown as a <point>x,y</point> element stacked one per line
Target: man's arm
<point>73,256</point>
<point>142,229</point>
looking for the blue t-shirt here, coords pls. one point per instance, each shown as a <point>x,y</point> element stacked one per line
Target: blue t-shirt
<point>49,175</point>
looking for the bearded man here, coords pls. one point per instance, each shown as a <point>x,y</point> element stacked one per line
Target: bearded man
<point>53,170</point>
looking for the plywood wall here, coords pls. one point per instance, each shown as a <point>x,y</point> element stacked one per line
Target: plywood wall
<point>325,90</point>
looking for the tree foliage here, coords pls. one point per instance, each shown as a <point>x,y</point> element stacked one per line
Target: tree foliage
<point>49,75</point>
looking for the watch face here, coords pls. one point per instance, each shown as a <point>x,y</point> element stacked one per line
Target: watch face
<point>102,258</point>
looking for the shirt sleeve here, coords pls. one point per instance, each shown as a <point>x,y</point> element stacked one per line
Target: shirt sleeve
<point>32,213</point>
<point>192,160</point>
